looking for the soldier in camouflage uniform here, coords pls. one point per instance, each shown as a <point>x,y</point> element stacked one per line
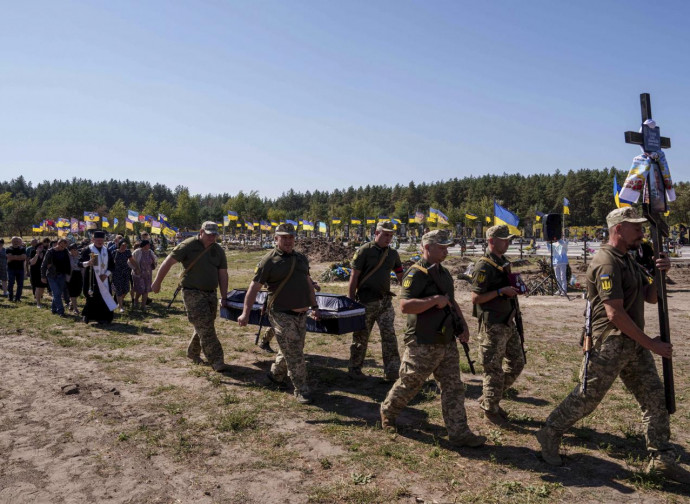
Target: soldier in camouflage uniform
<point>199,286</point>
<point>617,288</point>
<point>500,350</point>
<point>269,334</point>
<point>370,284</point>
<point>290,296</point>
<point>430,345</point>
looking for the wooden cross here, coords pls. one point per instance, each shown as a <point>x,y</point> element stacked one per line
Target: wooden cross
<point>654,203</point>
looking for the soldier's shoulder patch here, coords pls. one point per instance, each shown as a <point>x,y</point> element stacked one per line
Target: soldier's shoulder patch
<point>407,282</point>
<point>481,277</point>
<point>606,283</point>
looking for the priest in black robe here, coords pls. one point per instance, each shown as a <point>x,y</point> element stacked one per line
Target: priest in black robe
<point>99,265</point>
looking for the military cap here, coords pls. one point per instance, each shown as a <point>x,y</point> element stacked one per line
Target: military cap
<point>438,236</point>
<point>625,214</point>
<point>210,227</point>
<point>385,226</point>
<point>285,230</point>
<point>500,231</point>
<point>99,234</point>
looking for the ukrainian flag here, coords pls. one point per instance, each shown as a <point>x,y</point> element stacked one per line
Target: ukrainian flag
<point>538,216</point>
<point>433,215</point>
<point>616,192</point>
<point>506,217</point>
<point>487,219</point>
<point>294,223</point>
<point>566,206</point>
<point>132,215</point>
<point>322,227</point>
<point>371,220</point>
<point>307,226</point>
<point>105,222</point>
<point>442,218</point>
<point>335,220</point>
<point>37,229</point>
<point>410,219</point>
<point>356,222</point>
<point>232,215</point>
<point>115,222</point>
<point>470,216</point>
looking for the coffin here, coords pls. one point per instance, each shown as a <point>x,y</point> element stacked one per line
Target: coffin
<point>339,314</point>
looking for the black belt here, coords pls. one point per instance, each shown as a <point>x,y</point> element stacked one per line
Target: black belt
<point>200,290</point>
<point>291,312</point>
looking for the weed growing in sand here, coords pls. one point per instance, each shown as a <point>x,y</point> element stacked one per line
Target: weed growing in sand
<point>236,421</point>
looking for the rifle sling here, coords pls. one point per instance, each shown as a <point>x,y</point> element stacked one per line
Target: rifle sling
<point>282,284</point>
<point>376,268</point>
<point>191,264</point>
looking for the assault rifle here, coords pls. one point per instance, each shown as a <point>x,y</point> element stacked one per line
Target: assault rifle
<point>518,325</point>
<point>450,311</point>
<point>261,320</point>
<point>586,343</point>
<point>177,291</point>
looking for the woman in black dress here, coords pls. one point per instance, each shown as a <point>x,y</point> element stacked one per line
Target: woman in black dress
<point>35,261</point>
<point>76,278</point>
<point>121,274</point>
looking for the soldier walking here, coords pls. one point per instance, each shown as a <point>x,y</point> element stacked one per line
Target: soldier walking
<point>205,270</point>
<point>290,296</point>
<point>617,288</point>
<point>430,345</point>
<point>370,284</point>
<point>500,350</point>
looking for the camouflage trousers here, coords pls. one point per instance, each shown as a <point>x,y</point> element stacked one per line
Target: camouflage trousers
<point>501,356</point>
<point>290,331</point>
<point>420,361</point>
<point>617,356</point>
<point>201,309</point>
<point>382,313</point>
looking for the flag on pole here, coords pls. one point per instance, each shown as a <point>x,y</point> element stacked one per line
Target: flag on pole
<point>355,222</point>
<point>538,216</point>
<point>442,218</point>
<point>105,224</point>
<point>132,215</point>
<point>566,206</point>
<point>506,217</point>
<point>616,195</point>
<point>232,215</point>
<point>470,216</point>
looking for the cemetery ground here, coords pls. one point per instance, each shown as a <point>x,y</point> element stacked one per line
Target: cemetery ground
<point>118,414</point>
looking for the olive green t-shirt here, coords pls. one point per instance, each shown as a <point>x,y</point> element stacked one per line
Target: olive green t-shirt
<point>366,258</point>
<point>204,273</point>
<point>487,278</point>
<point>613,274</point>
<point>272,270</point>
<point>417,284</point>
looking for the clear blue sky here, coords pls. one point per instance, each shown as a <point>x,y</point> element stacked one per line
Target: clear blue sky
<point>224,96</point>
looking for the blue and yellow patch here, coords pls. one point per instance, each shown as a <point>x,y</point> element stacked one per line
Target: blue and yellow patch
<point>606,283</point>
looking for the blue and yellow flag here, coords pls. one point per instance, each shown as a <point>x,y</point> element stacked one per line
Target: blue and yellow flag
<point>356,222</point>
<point>294,223</point>
<point>487,219</point>
<point>470,216</point>
<point>336,220</point>
<point>37,228</point>
<point>91,217</point>
<point>115,222</point>
<point>506,217</point>
<point>433,215</point>
<point>133,215</point>
<point>105,222</point>
<point>566,206</point>
<point>616,192</point>
<point>322,227</point>
<point>232,215</point>
<point>371,220</point>
<point>307,225</point>
<point>538,216</point>
<point>442,218</point>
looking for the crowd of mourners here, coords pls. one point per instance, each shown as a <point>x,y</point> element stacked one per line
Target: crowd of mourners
<point>65,273</point>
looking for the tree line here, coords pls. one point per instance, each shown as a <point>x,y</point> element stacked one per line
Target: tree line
<point>590,193</point>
